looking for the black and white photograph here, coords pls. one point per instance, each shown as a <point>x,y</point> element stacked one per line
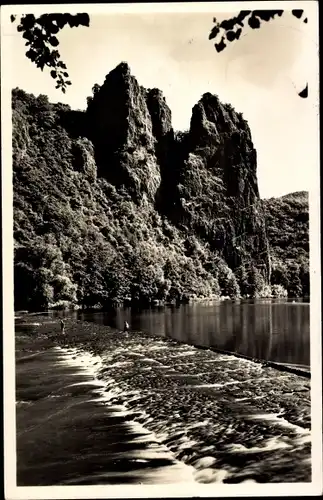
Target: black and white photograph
<point>161,250</point>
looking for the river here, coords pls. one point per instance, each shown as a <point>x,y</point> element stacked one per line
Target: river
<point>273,330</point>
<point>101,407</point>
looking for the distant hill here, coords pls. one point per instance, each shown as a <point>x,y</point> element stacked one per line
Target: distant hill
<point>112,206</point>
<point>287,220</point>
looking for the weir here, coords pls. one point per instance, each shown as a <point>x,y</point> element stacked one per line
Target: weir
<point>157,405</point>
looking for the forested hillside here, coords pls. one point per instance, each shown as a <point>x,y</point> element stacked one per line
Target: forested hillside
<point>287,220</point>
<point>112,206</point>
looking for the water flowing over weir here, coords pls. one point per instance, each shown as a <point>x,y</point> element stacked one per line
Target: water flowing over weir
<point>70,434</point>
<point>150,410</point>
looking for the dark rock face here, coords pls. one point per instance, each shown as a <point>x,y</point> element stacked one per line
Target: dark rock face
<point>217,191</point>
<point>205,181</point>
<point>161,117</point>
<point>160,113</point>
<point>120,127</point>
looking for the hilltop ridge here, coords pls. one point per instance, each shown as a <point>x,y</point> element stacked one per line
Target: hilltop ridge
<point>113,205</point>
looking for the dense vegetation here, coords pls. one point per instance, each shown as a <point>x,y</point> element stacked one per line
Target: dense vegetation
<point>288,233</point>
<point>82,242</point>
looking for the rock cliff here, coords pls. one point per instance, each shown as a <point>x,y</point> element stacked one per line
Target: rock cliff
<point>217,187</point>
<point>120,127</point>
<point>130,208</point>
<point>205,182</point>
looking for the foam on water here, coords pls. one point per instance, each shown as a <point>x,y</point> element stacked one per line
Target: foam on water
<point>277,419</point>
<point>107,390</point>
<point>155,398</point>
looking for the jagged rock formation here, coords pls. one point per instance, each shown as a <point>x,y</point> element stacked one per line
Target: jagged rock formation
<point>120,127</point>
<point>133,209</point>
<point>217,191</point>
<point>209,180</point>
<point>163,132</point>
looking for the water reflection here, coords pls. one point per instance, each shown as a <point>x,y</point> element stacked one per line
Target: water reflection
<point>266,329</point>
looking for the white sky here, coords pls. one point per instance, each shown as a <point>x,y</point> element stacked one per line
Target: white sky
<point>257,75</point>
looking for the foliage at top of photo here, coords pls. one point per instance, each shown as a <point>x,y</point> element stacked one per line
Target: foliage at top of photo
<point>231,29</point>
<point>41,40</point>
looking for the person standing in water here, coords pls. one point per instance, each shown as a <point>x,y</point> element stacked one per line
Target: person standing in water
<point>126,326</point>
<point>62,327</point>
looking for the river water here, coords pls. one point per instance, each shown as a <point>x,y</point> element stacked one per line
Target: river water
<point>102,407</point>
<point>273,330</point>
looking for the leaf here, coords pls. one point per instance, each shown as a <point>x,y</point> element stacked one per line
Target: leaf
<point>27,35</point>
<point>254,22</point>
<point>265,15</point>
<point>214,32</point>
<point>83,19</point>
<point>54,29</point>
<point>71,20</point>
<point>53,41</point>
<point>31,54</point>
<point>231,36</point>
<point>297,13</point>
<point>61,20</point>
<point>28,21</point>
<point>65,74</point>
<point>228,24</point>
<point>53,74</point>
<point>220,46</point>
<point>68,82</point>
<point>304,93</point>
<point>13,18</point>
<point>241,16</point>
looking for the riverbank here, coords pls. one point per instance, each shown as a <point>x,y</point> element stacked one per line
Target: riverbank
<point>68,306</point>
<point>217,417</point>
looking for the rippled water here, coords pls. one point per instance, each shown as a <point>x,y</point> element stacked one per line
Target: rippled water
<point>274,330</point>
<point>110,408</point>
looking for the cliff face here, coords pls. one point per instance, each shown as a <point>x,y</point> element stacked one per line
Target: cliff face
<point>120,127</point>
<point>217,190</point>
<point>206,183</point>
<point>131,208</point>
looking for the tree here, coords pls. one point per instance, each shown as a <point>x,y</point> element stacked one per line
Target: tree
<point>231,29</point>
<point>304,275</point>
<point>40,35</point>
<point>242,277</point>
<point>256,282</point>
<point>228,282</point>
<point>294,287</point>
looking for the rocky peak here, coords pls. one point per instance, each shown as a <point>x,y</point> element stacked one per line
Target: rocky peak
<point>163,132</point>
<point>211,119</point>
<point>206,182</point>
<point>160,113</point>
<point>122,69</point>
<point>120,127</point>
<point>217,184</point>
